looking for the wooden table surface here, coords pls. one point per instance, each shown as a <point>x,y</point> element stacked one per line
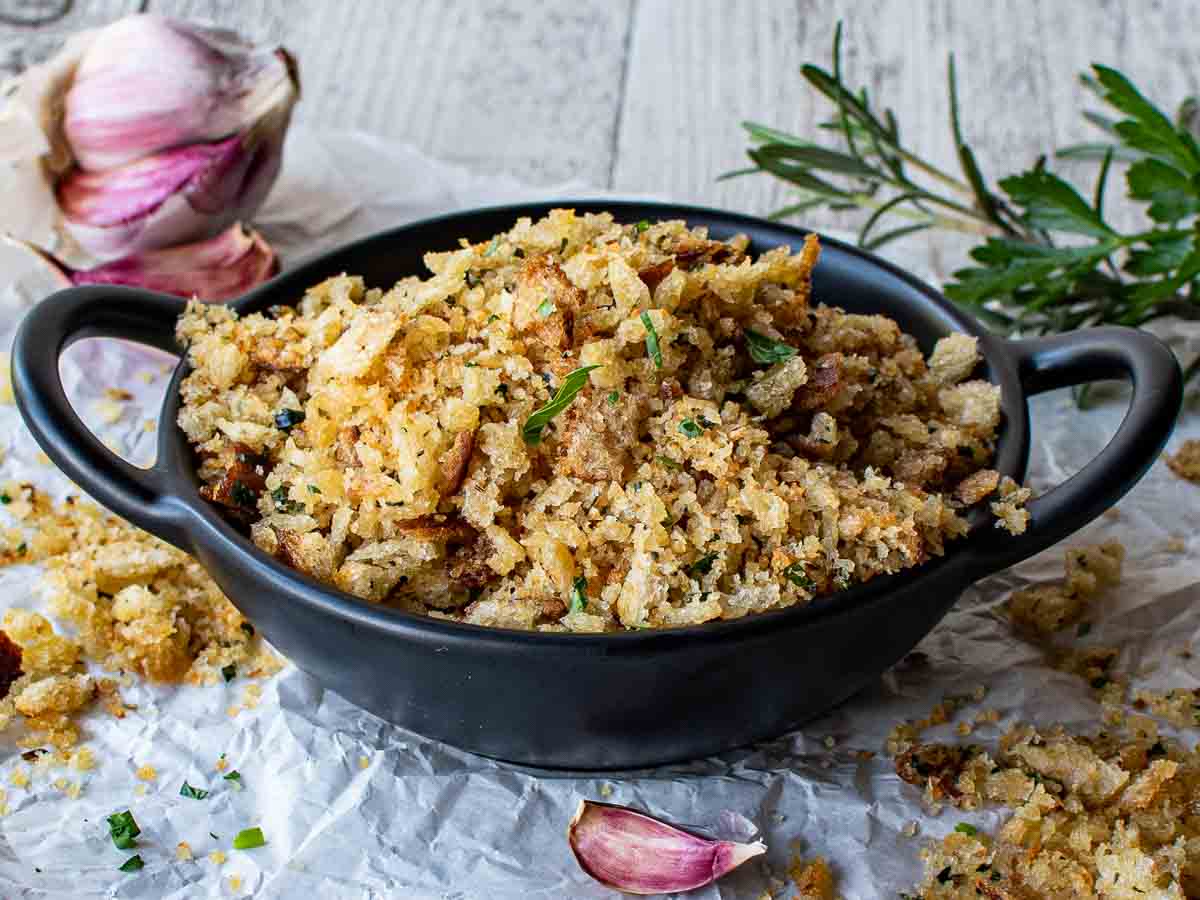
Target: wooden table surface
<point>646,95</point>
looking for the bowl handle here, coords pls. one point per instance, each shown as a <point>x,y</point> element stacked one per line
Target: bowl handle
<point>1092,354</point>
<point>139,495</point>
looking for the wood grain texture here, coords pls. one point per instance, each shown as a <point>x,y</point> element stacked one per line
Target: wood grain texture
<point>23,45</point>
<point>645,96</point>
<point>526,88</point>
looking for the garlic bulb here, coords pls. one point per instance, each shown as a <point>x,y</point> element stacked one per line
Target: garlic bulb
<point>636,854</point>
<point>219,268</point>
<point>152,132</point>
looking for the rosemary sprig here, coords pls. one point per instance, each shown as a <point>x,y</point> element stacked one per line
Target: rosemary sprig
<point>1049,260</point>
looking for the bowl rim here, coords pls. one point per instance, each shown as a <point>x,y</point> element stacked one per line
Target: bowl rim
<point>217,538</point>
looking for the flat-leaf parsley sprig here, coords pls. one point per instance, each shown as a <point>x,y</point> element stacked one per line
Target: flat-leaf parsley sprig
<point>1050,260</point>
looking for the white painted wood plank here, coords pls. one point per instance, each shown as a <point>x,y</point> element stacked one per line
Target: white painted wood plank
<point>696,69</point>
<point>22,45</point>
<point>530,89</point>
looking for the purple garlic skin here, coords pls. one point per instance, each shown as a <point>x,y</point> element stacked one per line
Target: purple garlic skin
<point>151,132</point>
<point>220,268</point>
<point>637,854</point>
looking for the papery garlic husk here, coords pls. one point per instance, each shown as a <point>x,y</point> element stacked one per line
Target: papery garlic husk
<point>152,131</point>
<point>637,854</point>
<point>219,268</point>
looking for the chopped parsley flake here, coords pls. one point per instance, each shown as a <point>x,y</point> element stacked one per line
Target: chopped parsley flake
<point>570,387</point>
<point>241,494</point>
<point>287,419</point>
<point>578,595</point>
<point>282,503</point>
<point>313,489</point>
<point>668,462</point>
<point>248,839</point>
<point>235,775</point>
<point>547,308</point>
<point>693,428</point>
<point>703,565</point>
<point>247,628</point>
<point>613,397</point>
<point>767,351</point>
<point>192,793</point>
<point>133,864</point>
<point>642,226</point>
<point>229,671</point>
<point>966,828</point>
<point>797,575</point>
<point>123,829</point>
<point>5,499</point>
<point>652,346</point>
<point>21,550</point>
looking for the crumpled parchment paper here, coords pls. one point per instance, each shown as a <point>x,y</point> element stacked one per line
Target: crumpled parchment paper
<point>353,807</point>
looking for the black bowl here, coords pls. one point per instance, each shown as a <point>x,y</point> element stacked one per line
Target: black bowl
<point>613,700</point>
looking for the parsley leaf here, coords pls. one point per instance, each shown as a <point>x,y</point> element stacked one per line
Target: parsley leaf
<point>5,499</point>
<point>242,495</point>
<point>235,776</point>
<point>229,671</point>
<point>703,565</point>
<point>547,308</point>
<point>642,226</point>
<point>693,428</point>
<point>613,397</point>
<point>652,346</point>
<point>282,504</point>
<point>966,828</point>
<point>248,839</point>
<point>192,793</point>
<point>797,574</point>
<point>133,864</point>
<point>767,351</point>
<point>123,830</point>
<point>668,462</point>
<point>531,431</point>
<point>578,595</point>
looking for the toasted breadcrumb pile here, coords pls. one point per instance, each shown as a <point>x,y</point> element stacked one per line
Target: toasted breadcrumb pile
<point>1111,815</point>
<point>136,605</point>
<point>736,449</point>
<point>1186,460</point>
<point>1046,608</point>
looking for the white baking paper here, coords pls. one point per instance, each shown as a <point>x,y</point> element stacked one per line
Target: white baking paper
<point>353,807</point>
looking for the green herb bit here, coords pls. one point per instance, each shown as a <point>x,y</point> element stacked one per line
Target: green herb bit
<point>562,248</point>
<point>230,672</point>
<point>22,549</point>
<point>613,397</point>
<point>287,419</point>
<point>578,595</point>
<point>703,565</point>
<point>642,226</point>
<point>242,495</point>
<point>1083,629</point>
<point>966,828</point>
<point>192,793</point>
<point>493,318</point>
<point>313,489</point>
<point>798,575</point>
<point>652,346</point>
<point>248,839</point>
<point>123,829</point>
<point>247,628</point>
<point>547,308</point>
<point>668,462</point>
<point>282,503</point>
<point>234,776</point>
<point>690,428</point>
<point>5,499</point>
<point>133,864</point>
<point>767,351</point>
<point>567,391</point>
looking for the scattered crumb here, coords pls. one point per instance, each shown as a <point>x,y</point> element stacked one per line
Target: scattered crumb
<point>183,851</point>
<point>19,777</point>
<point>139,790</point>
<point>216,857</point>
<point>221,764</point>
<point>42,458</point>
<point>6,391</point>
<point>109,412</point>
<point>83,759</point>
<point>1186,461</point>
<point>235,882</point>
<point>1046,608</point>
<point>118,395</point>
<point>147,377</point>
<point>910,828</point>
<point>233,711</point>
<point>147,773</point>
<point>606,790</point>
<point>830,742</point>
<point>149,426</point>
<point>813,880</point>
<point>1175,545</point>
<point>364,762</point>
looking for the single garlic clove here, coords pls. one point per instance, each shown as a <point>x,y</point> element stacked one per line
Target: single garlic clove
<point>179,195</point>
<point>636,854</point>
<point>220,268</point>
<point>148,83</point>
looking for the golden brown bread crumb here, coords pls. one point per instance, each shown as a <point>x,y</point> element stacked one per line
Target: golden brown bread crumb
<point>813,880</point>
<point>1186,460</point>
<point>1046,608</point>
<point>836,454</point>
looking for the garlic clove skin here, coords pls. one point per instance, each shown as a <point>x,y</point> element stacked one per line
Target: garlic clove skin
<point>220,268</point>
<point>637,854</point>
<point>172,197</point>
<point>147,83</point>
